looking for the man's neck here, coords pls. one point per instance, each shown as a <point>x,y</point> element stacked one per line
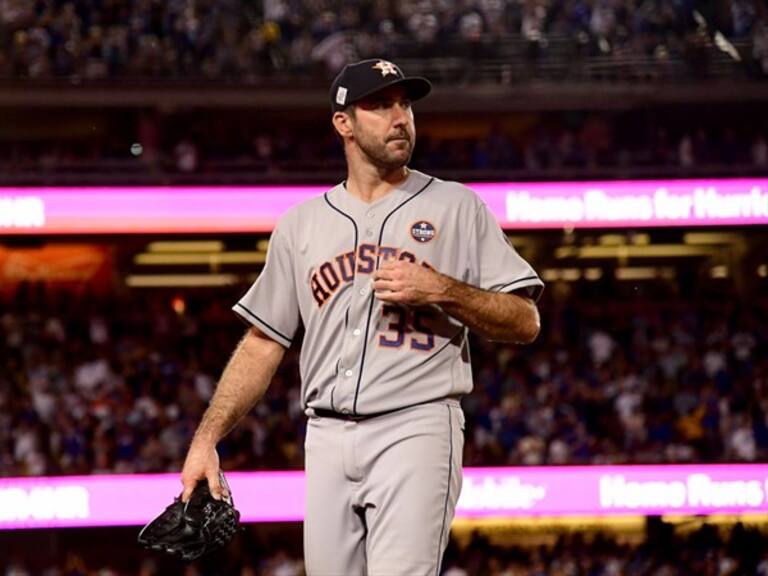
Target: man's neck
<point>369,184</point>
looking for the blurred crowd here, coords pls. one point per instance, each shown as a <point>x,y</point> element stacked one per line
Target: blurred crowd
<point>118,385</point>
<point>278,564</point>
<point>662,552</point>
<point>596,142</point>
<point>684,142</point>
<point>244,39</point>
<point>615,382</point>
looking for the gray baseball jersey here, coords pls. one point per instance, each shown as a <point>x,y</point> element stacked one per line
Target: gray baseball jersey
<point>359,355</point>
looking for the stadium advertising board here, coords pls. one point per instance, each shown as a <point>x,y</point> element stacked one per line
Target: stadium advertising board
<point>553,491</point>
<point>541,205</point>
<point>79,266</point>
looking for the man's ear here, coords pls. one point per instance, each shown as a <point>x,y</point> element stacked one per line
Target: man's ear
<point>342,122</point>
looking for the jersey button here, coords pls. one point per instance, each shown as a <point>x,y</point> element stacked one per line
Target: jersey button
<point>369,232</point>
<point>371,214</point>
<point>348,373</point>
<point>356,332</point>
<point>363,291</point>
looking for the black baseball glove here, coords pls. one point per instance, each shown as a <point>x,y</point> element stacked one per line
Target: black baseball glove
<point>193,528</point>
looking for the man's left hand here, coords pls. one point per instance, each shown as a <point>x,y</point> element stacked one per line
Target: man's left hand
<point>404,282</point>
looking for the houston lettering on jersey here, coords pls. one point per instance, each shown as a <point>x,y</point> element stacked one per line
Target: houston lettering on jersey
<point>341,269</point>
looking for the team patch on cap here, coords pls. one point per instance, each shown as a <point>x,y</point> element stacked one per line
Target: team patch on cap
<point>423,231</point>
<point>341,96</point>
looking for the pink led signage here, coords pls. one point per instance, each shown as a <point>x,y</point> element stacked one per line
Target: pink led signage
<point>256,209</point>
<point>631,203</point>
<point>487,492</point>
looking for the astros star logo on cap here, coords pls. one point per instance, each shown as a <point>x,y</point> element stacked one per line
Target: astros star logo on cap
<point>386,67</point>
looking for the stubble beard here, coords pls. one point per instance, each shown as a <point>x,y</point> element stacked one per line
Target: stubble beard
<point>380,156</point>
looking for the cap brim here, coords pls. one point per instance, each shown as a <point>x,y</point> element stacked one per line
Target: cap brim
<point>415,86</point>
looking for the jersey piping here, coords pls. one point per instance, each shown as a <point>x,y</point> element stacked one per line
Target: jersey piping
<point>507,286</point>
<point>372,299</point>
<point>448,489</point>
<point>265,324</point>
<point>370,305</point>
<point>354,272</point>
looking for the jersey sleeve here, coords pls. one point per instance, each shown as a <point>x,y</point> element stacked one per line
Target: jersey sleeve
<point>271,304</point>
<point>497,265</point>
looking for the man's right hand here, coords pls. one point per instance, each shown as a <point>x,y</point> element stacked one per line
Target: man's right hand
<point>202,462</point>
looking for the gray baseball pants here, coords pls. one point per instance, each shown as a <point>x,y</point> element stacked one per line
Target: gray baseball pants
<point>381,492</point>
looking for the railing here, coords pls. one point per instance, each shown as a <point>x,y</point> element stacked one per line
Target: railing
<point>509,59</point>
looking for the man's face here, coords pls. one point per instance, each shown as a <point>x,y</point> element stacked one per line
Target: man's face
<point>384,129</point>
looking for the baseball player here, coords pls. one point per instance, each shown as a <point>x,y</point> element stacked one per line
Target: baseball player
<point>387,272</point>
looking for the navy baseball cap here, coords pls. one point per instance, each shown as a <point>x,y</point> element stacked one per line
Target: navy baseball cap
<point>361,79</point>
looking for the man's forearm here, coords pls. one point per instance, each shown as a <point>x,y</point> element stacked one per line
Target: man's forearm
<point>497,316</point>
<point>245,379</point>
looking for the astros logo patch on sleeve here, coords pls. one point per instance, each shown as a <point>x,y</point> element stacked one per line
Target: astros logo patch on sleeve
<point>423,231</point>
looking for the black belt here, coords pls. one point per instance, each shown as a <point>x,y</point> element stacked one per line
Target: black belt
<point>323,413</point>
